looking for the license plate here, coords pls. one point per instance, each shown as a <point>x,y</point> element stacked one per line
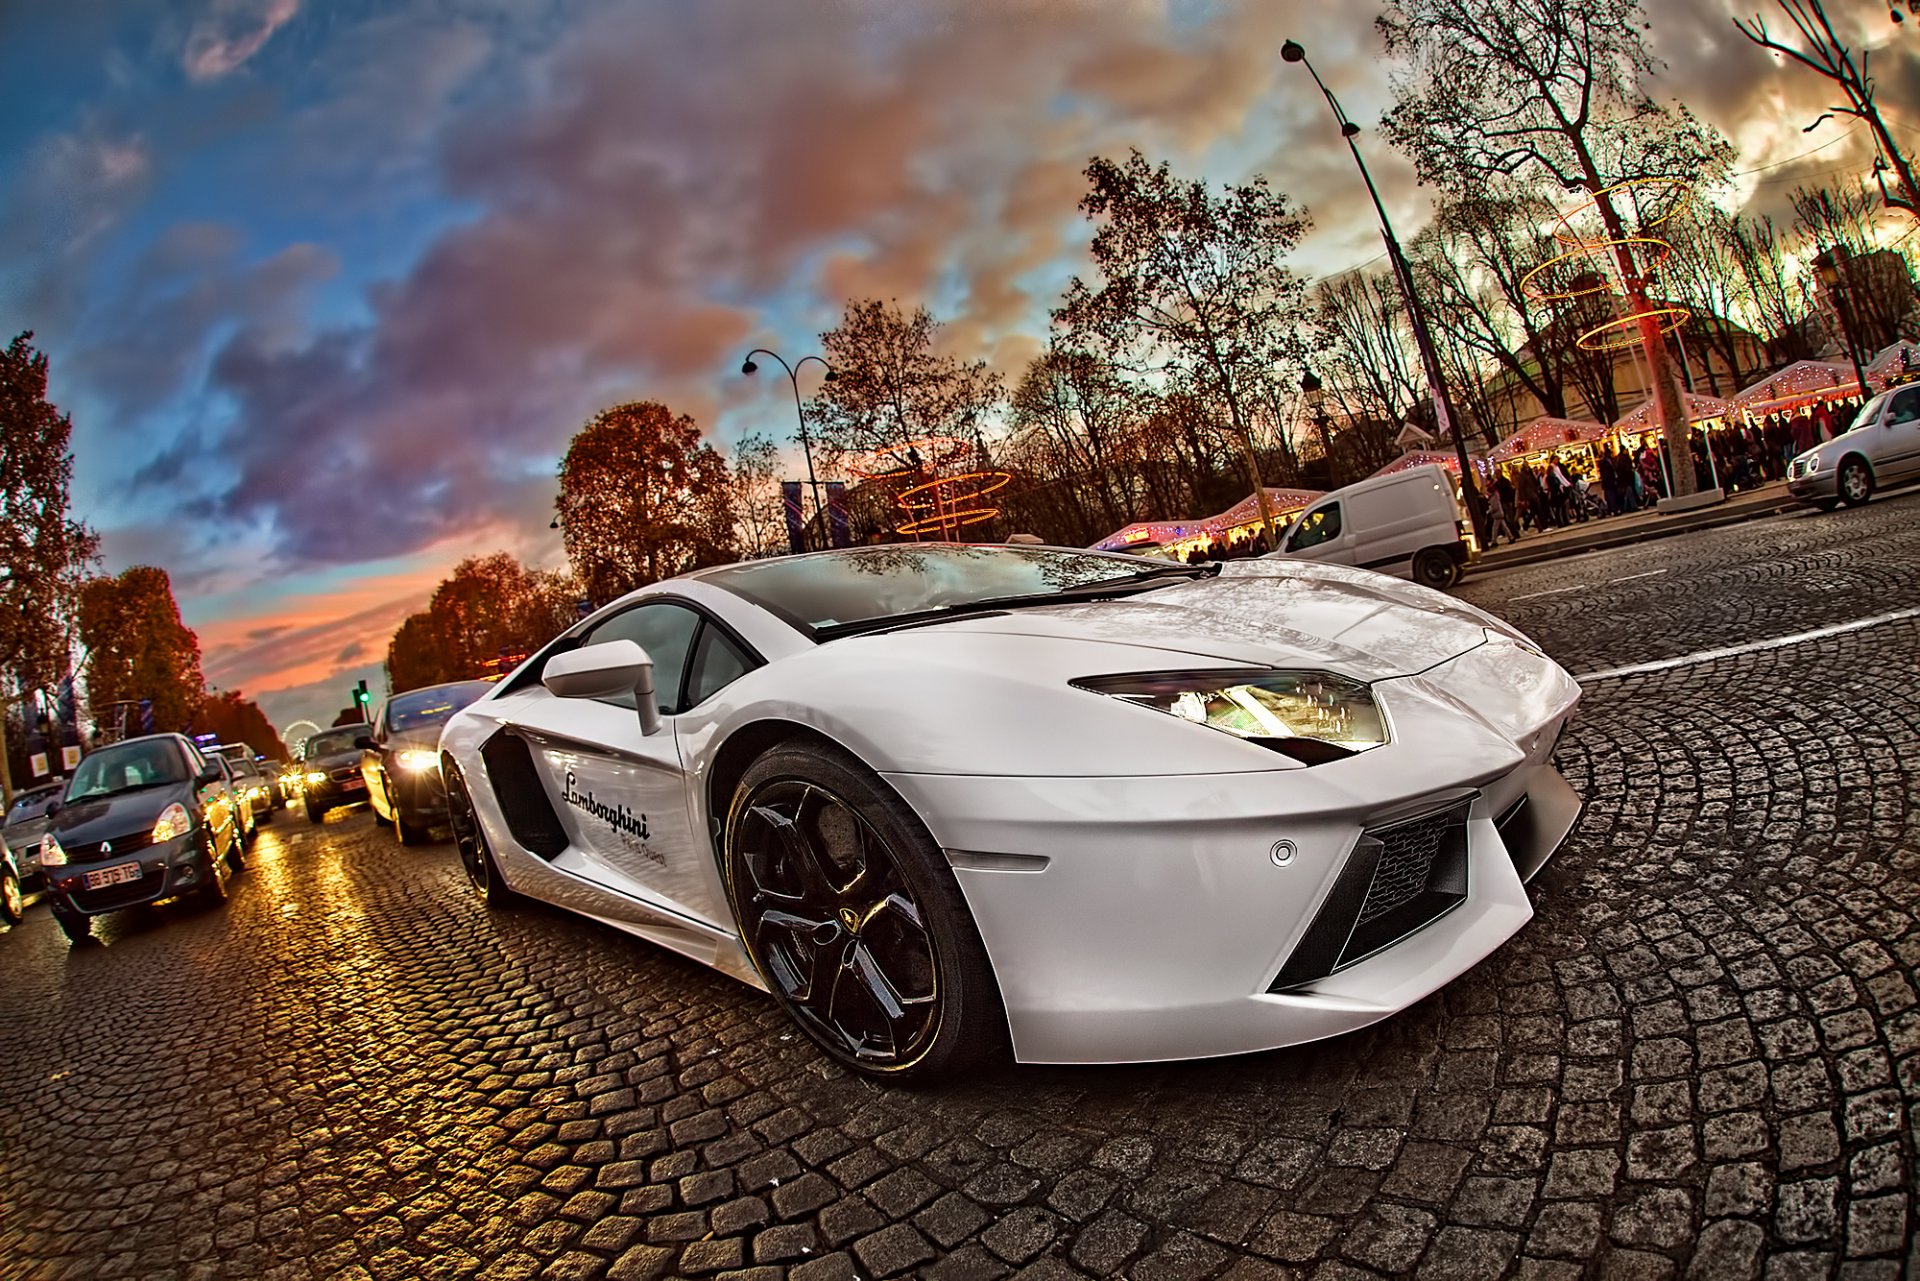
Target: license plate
<point>118,874</point>
<point>353,784</point>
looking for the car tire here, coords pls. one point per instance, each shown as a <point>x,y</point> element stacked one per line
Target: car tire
<point>410,833</point>
<point>316,814</point>
<point>213,891</point>
<point>77,926</point>
<point>1434,568</point>
<point>1855,482</point>
<point>265,816</point>
<point>867,901</point>
<point>13,903</point>
<point>470,840</point>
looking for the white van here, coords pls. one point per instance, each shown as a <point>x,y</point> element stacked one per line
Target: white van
<point>1408,524</point>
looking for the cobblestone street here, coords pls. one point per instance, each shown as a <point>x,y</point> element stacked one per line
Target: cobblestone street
<point>1700,1059</point>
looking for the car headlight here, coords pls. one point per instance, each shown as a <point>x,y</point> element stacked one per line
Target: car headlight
<point>1314,717</point>
<point>174,822</point>
<point>418,760</point>
<point>51,855</point>
<point>316,776</point>
<point>1810,464</point>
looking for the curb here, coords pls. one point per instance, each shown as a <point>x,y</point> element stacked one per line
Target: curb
<point>1679,524</point>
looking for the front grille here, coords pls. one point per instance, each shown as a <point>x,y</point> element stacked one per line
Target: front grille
<point>346,772</point>
<point>96,851</point>
<point>110,897</point>
<point>1407,853</point>
<point>1401,877</point>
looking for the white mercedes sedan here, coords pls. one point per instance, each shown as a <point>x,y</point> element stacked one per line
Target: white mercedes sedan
<point>946,801</point>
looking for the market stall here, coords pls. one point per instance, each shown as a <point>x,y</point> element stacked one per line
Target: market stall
<point>1236,525</point>
<point>1896,366</point>
<point>1545,438</point>
<point>1420,458</point>
<point>1800,385</point>
<point>1641,426</point>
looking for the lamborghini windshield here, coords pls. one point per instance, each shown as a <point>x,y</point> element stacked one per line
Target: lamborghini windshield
<point>835,591</point>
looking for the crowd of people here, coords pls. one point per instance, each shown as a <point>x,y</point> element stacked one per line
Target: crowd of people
<point>1230,549</point>
<point>1620,478</point>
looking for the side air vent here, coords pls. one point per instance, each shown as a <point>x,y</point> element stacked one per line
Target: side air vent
<point>1400,877</point>
<point>523,800</point>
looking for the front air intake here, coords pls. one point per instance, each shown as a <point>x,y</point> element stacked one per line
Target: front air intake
<point>1401,877</point>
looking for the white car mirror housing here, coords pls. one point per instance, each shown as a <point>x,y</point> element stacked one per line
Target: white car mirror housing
<point>607,670</point>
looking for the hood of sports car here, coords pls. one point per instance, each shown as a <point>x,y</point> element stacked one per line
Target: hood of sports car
<point>1279,612</point>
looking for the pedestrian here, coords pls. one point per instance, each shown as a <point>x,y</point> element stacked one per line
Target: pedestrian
<point>1497,518</point>
<point>1510,498</point>
<point>1609,480</point>
<point>1823,422</point>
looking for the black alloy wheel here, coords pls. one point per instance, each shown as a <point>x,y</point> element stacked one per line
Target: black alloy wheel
<point>1855,482</point>
<point>854,921</point>
<point>1434,568</point>
<point>13,903</point>
<point>468,838</point>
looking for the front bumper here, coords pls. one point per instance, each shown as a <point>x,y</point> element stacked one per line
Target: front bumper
<point>1144,919</point>
<point>1822,484</point>
<point>420,796</point>
<point>167,871</point>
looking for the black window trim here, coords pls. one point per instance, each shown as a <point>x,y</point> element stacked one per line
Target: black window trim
<point>569,640</point>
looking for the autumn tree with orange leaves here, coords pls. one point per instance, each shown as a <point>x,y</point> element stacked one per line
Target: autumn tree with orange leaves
<point>642,498</point>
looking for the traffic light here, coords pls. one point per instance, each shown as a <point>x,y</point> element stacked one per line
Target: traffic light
<point>363,701</point>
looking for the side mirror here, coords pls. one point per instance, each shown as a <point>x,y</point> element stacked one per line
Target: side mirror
<point>607,670</point>
<point>365,742</point>
<point>208,776</point>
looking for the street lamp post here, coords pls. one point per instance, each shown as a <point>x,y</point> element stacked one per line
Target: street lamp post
<point>1826,266</point>
<point>793,377</point>
<point>1292,51</point>
<point>1316,395</point>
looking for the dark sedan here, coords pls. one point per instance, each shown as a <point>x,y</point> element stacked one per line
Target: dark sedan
<point>331,759</point>
<point>141,821</point>
<point>402,761</point>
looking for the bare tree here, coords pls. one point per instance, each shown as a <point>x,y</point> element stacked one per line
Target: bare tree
<point>1366,358</point>
<point>1502,87</point>
<point>1194,287</point>
<point>1825,54</point>
<point>892,385</point>
<point>1876,285</point>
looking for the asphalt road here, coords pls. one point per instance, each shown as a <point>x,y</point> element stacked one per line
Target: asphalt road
<point>1700,1059</point>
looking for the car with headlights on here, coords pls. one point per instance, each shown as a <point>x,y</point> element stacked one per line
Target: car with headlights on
<point>252,778</point>
<point>945,800</point>
<point>26,823</point>
<point>142,820</point>
<point>401,757</point>
<point>331,760</point>
<point>1881,448</point>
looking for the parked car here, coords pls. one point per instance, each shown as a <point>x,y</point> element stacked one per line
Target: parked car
<point>332,760</point>
<point>144,820</point>
<point>254,782</point>
<point>932,796</point>
<point>1881,448</point>
<point>26,823</point>
<point>401,760</point>
<point>1408,524</point>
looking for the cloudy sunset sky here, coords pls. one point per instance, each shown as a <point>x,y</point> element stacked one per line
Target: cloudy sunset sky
<point>328,284</point>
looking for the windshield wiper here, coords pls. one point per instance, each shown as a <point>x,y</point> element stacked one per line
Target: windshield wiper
<point>1094,590</point>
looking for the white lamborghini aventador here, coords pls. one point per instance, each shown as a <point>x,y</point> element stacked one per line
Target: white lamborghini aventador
<point>936,798</point>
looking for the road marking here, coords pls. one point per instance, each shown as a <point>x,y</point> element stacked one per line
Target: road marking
<point>1753,647</point>
<point>1605,582</point>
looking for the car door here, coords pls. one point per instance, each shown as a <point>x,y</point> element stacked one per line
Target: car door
<point>373,769</point>
<point>215,796</point>
<point>1319,535</point>
<point>621,794</point>
<point>1899,444</point>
